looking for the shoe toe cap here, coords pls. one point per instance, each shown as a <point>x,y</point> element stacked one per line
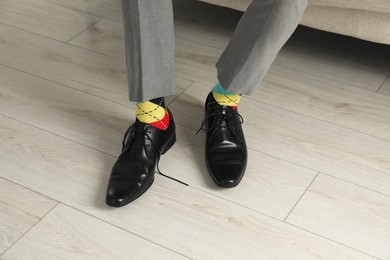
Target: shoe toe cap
<point>120,193</point>
<point>227,174</point>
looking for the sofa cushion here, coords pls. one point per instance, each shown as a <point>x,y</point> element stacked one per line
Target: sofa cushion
<point>364,19</point>
<point>382,6</point>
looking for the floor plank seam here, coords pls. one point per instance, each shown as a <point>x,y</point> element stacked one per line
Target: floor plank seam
<point>177,96</point>
<point>236,203</point>
<point>303,194</point>
<point>323,121</point>
<point>58,135</point>
<point>334,241</point>
<point>308,116</point>
<point>86,29</point>
<point>383,83</point>
<point>74,9</point>
<point>79,90</point>
<point>125,230</point>
<point>355,184</point>
<point>79,210</point>
<point>66,138</point>
<point>318,76</point>
<point>25,212</point>
<point>32,225</point>
<point>96,52</point>
<point>284,222</point>
<point>34,33</point>
<point>317,170</point>
<point>202,43</point>
<point>63,85</point>
<point>186,78</point>
<point>112,20</point>
<point>62,42</point>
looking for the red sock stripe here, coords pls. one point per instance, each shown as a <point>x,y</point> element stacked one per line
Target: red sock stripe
<point>163,123</point>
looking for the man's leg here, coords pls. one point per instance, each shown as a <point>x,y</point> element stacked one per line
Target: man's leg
<point>262,31</point>
<point>149,44</point>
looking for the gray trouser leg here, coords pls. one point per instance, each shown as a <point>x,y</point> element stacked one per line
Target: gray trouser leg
<point>149,46</point>
<point>262,31</point>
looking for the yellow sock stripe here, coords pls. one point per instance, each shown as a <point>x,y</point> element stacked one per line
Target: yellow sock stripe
<point>227,100</point>
<point>149,112</point>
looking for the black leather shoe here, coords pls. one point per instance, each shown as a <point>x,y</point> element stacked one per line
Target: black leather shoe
<point>133,172</point>
<point>226,151</point>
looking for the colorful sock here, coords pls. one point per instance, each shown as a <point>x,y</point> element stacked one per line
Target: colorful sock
<point>153,112</point>
<point>224,97</point>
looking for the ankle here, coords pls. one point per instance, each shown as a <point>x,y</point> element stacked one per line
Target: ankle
<point>224,97</point>
<point>154,113</point>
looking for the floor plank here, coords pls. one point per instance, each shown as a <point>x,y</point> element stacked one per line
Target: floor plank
<point>87,71</point>
<point>20,209</point>
<point>65,111</point>
<point>78,68</point>
<point>105,8</point>
<point>105,37</point>
<point>270,185</point>
<point>339,58</point>
<point>66,233</point>
<point>346,213</point>
<point>45,18</point>
<point>196,62</point>
<point>327,100</point>
<point>347,154</point>
<point>81,117</point>
<point>193,61</point>
<point>181,218</point>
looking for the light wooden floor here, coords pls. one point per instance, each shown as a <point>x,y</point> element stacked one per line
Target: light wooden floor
<point>318,180</point>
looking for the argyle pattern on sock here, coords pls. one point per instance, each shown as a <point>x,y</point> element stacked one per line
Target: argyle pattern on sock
<point>224,97</point>
<point>153,112</point>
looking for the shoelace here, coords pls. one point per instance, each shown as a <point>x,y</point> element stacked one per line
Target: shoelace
<point>219,118</point>
<point>145,133</point>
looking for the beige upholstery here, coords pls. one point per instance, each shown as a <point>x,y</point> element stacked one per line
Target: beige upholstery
<point>364,19</point>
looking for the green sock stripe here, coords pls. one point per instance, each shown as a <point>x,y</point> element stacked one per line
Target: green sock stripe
<point>220,90</point>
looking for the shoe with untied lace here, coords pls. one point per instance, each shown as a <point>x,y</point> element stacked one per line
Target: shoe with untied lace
<point>133,172</point>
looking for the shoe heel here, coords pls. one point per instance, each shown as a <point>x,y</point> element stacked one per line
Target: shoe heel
<point>169,145</point>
